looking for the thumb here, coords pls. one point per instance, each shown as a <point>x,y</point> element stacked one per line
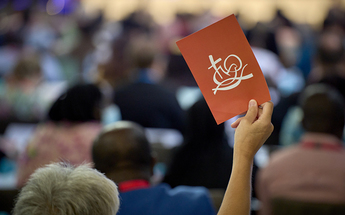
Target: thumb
<point>252,111</point>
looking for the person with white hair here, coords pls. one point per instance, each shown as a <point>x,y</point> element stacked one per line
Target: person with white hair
<point>63,189</point>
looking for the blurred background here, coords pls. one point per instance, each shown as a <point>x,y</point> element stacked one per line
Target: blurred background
<point>46,46</point>
<point>310,12</point>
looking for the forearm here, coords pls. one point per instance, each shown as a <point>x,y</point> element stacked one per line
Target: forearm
<point>251,132</point>
<point>238,194</point>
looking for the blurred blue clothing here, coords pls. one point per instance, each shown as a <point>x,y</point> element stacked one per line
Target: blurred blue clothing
<point>162,199</point>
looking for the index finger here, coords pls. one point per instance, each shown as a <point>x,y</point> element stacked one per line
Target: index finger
<point>267,110</point>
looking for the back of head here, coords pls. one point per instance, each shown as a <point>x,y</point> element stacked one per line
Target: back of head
<point>123,148</point>
<point>323,108</point>
<point>202,125</point>
<point>335,81</point>
<point>61,189</point>
<point>80,103</point>
<point>141,52</point>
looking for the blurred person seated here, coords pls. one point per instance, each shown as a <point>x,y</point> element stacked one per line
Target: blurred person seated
<point>144,101</point>
<point>292,129</point>
<point>290,78</point>
<point>329,59</point>
<point>63,189</point>
<point>23,92</point>
<point>205,157</point>
<point>178,73</point>
<point>123,153</point>
<point>313,170</point>
<point>74,122</point>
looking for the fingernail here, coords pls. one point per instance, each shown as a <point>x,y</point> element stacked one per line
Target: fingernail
<point>252,103</point>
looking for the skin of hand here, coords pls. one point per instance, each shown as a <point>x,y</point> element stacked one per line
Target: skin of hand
<point>252,131</point>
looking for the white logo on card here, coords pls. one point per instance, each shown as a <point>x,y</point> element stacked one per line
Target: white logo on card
<point>229,77</point>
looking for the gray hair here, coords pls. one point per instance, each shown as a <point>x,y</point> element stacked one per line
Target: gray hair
<point>62,189</point>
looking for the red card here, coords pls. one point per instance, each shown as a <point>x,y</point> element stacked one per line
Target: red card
<point>225,68</point>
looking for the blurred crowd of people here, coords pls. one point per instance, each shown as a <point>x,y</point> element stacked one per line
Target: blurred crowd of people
<point>73,73</point>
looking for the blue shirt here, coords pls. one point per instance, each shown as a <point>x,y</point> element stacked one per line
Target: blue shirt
<point>162,199</point>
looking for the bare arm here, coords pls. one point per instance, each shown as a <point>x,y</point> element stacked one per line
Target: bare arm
<point>252,131</point>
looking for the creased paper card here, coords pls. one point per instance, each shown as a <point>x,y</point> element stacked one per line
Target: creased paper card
<point>225,68</point>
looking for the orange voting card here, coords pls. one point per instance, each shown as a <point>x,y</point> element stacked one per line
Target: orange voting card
<point>225,68</point>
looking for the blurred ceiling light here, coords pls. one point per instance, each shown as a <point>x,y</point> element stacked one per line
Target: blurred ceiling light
<point>55,6</point>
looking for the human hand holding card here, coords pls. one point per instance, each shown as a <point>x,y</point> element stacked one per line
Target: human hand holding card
<point>225,68</point>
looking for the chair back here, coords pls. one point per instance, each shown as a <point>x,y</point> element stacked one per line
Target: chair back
<point>282,206</point>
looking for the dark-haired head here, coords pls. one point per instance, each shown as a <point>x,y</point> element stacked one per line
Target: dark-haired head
<point>202,126</point>
<point>323,108</point>
<point>335,81</point>
<point>123,152</point>
<point>81,103</point>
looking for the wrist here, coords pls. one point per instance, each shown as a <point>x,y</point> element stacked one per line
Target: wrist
<point>242,164</point>
<point>243,156</point>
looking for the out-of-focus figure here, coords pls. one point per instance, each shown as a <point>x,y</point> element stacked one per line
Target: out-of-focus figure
<point>310,173</point>
<point>123,153</point>
<point>68,135</point>
<point>205,157</point>
<point>143,100</point>
<point>23,92</point>
<point>329,57</point>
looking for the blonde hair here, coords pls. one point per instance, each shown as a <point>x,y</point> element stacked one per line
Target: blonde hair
<point>62,189</point>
